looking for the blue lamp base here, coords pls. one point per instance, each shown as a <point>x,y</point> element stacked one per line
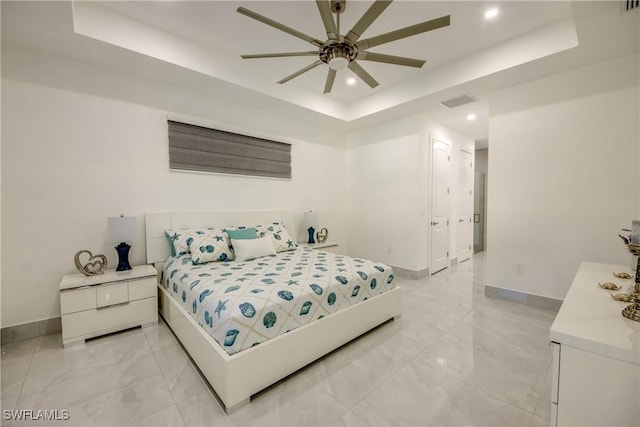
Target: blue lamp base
<point>312,232</point>
<point>123,257</point>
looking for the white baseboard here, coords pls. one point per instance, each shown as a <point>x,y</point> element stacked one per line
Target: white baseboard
<point>538,301</point>
<point>410,274</point>
<point>30,330</point>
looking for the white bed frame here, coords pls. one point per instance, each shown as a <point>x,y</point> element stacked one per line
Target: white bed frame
<point>237,377</point>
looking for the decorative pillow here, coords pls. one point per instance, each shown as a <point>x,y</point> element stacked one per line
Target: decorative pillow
<point>242,233</point>
<point>279,235</point>
<point>180,239</point>
<point>247,249</point>
<point>211,247</point>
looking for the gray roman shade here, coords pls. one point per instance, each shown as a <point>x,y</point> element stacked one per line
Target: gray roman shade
<point>198,148</point>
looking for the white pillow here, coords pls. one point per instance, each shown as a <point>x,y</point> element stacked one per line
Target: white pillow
<point>247,249</point>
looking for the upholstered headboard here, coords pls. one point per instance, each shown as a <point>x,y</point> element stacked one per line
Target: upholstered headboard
<point>159,246</point>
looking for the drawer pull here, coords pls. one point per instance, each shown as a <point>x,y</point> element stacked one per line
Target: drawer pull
<point>114,305</point>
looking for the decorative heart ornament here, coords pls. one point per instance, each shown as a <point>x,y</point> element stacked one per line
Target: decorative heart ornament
<point>322,235</point>
<point>96,264</point>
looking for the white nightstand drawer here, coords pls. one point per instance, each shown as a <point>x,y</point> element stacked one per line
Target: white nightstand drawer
<point>87,324</point>
<point>142,288</point>
<point>116,293</point>
<point>77,300</point>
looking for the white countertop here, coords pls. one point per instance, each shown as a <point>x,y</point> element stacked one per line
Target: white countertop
<point>591,320</point>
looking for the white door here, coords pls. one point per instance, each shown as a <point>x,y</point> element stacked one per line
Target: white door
<point>439,206</point>
<point>465,207</point>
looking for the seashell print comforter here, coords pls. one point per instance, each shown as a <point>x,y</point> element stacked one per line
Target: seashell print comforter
<point>242,304</point>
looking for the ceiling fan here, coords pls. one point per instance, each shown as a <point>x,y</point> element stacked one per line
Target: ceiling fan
<point>343,51</point>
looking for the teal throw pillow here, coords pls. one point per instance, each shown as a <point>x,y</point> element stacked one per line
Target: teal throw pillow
<point>243,233</point>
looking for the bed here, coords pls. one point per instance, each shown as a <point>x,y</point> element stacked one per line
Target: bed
<point>359,297</point>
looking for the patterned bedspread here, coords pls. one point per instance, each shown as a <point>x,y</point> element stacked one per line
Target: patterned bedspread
<point>242,304</point>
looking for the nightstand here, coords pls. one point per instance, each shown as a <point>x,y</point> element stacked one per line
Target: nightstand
<point>109,302</point>
<point>327,246</point>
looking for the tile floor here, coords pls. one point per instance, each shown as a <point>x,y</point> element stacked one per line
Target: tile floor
<point>454,358</point>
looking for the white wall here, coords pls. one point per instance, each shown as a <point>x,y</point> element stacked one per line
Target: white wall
<point>72,159</point>
<point>382,190</point>
<point>564,175</point>
<point>388,190</point>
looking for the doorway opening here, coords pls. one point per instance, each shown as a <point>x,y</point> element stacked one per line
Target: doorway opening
<point>479,209</point>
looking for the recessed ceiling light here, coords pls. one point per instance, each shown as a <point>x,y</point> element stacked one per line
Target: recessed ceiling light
<point>471,117</point>
<point>351,81</point>
<point>491,13</point>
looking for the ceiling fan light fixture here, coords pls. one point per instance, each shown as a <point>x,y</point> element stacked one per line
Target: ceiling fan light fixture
<point>338,63</point>
<point>338,55</point>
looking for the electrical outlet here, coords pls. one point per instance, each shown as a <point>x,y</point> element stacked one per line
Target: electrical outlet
<point>520,268</point>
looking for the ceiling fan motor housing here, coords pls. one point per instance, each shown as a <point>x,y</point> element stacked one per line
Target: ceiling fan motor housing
<point>338,55</point>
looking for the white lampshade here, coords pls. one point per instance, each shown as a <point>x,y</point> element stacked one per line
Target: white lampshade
<point>310,219</point>
<point>121,228</point>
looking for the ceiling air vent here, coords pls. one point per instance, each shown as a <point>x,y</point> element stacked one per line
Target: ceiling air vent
<point>459,100</point>
<point>631,4</point>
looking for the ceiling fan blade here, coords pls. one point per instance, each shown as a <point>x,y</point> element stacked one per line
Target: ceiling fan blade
<point>330,79</point>
<point>327,18</point>
<point>367,19</point>
<point>279,26</point>
<point>423,27</point>
<point>360,72</point>
<point>390,59</point>
<point>297,73</point>
<point>280,55</point>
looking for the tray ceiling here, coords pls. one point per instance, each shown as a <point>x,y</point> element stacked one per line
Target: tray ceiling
<point>208,37</point>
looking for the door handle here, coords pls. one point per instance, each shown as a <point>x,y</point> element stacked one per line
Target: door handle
<point>461,220</point>
<point>434,223</point>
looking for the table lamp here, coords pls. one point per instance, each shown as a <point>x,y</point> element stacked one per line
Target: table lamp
<point>122,229</point>
<point>310,219</point>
